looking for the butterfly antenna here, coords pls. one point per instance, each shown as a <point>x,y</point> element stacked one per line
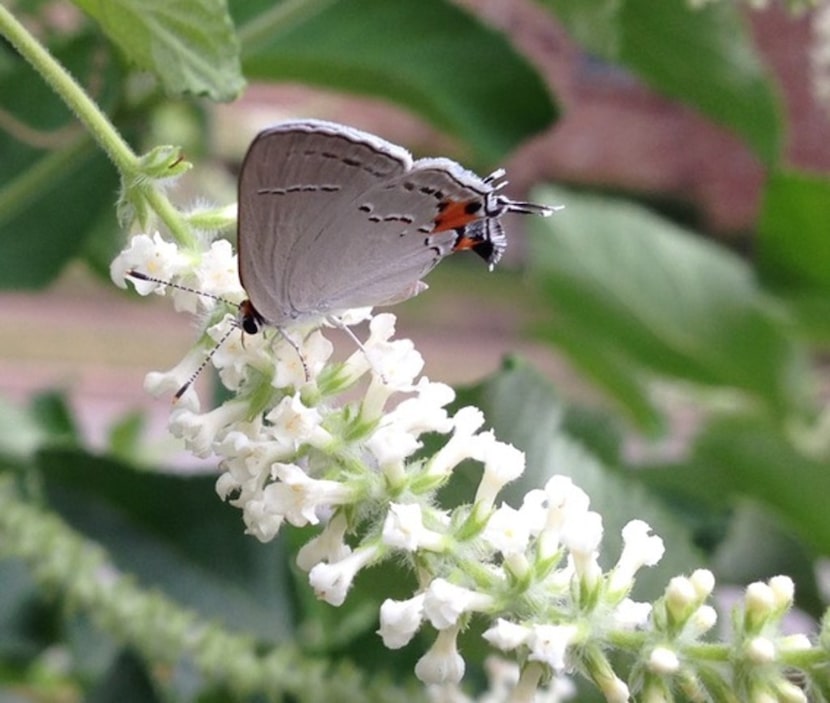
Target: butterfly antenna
<point>348,330</point>
<point>296,348</point>
<point>526,208</point>
<point>205,362</point>
<point>132,273</point>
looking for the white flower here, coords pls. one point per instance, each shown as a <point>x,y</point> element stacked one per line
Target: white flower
<point>300,358</point>
<point>331,582</point>
<point>295,424</point>
<point>159,383</point>
<point>442,663</point>
<point>549,644</point>
<point>565,502</point>
<point>247,455</point>
<point>445,603</point>
<point>400,620</point>
<point>701,621</point>
<point>507,530</point>
<point>260,520</point>
<point>783,590</point>
<point>507,635</point>
<point>663,661</point>
<point>639,549</point>
<point>681,597</point>
<point>703,581</point>
<point>462,443</point>
<point>200,432</point>
<point>794,643</point>
<point>502,463</point>
<point>238,352</point>
<point>152,256</point>
<point>630,615</point>
<point>298,497</point>
<point>329,545</point>
<point>759,597</point>
<point>216,272</point>
<point>396,363</point>
<point>760,650</point>
<point>391,444</point>
<point>404,529</point>
<point>425,411</point>
<point>534,510</point>
<point>615,690</point>
<point>581,535</point>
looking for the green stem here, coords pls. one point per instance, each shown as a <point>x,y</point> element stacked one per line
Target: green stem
<point>171,217</point>
<point>72,94</point>
<point>164,631</point>
<point>96,122</point>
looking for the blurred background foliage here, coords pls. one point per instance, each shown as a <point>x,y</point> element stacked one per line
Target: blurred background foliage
<point>697,335</point>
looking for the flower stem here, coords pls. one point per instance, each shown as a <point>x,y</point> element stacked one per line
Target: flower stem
<point>72,94</point>
<point>96,122</point>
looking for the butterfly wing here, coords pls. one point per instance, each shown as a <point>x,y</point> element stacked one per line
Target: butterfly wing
<point>376,249</point>
<point>332,218</point>
<point>294,175</point>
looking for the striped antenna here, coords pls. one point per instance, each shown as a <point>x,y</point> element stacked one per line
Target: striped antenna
<point>179,393</point>
<point>132,273</point>
<point>144,277</point>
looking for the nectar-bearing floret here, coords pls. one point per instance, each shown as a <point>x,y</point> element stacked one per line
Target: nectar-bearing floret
<point>293,452</point>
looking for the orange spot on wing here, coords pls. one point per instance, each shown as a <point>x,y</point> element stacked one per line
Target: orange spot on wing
<point>455,214</point>
<point>465,243</point>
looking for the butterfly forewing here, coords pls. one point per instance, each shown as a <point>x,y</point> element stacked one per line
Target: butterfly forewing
<point>293,177</point>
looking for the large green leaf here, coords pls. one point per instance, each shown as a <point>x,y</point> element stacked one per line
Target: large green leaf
<point>174,533</point>
<point>794,249</point>
<point>429,55</point>
<point>189,45</point>
<point>743,457</point>
<point>703,57</point>
<point>53,183</point>
<point>635,295</point>
<point>793,245</point>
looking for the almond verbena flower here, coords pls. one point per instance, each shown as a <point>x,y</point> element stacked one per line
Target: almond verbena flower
<point>338,445</point>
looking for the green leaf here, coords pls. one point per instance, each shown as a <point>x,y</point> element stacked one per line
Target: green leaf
<point>811,311</point>
<point>793,246</point>
<point>175,534</point>
<point>642,296</point>
<point>125,436</point>
<point>189,45</point>
<point>54,184</point>
<point>745,457</point>
<point>703,57</point>
<point>52,412</point>
<point>429,55</point>
<point>523,409</point>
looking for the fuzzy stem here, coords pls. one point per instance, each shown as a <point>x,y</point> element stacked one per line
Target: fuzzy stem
<point>70,92</point>
<point>96,122</point>
<point>63,560</point>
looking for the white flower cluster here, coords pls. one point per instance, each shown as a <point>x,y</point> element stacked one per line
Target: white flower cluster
<point>290,453</point>
<point>291,450</point>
